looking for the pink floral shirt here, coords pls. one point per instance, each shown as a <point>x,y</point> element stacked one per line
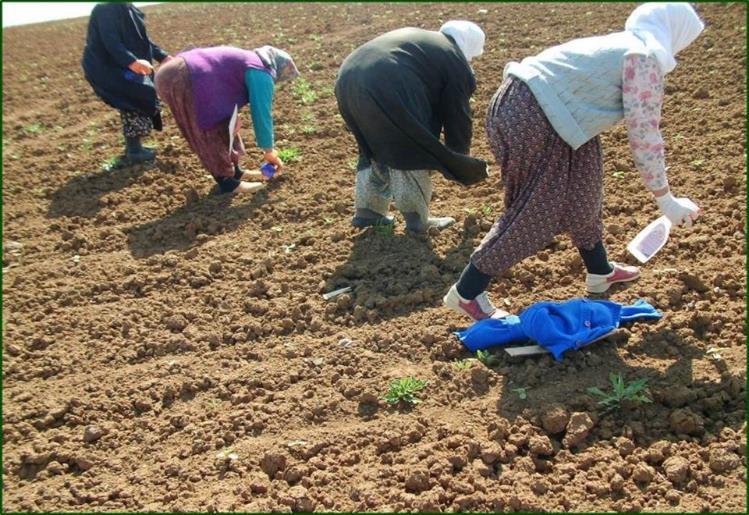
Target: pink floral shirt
<point>642,94</point>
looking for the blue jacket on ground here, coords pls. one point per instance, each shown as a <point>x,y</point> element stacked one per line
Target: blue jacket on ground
<point>557,326</point>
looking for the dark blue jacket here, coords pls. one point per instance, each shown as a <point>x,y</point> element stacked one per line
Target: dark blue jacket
<point>117,37</point>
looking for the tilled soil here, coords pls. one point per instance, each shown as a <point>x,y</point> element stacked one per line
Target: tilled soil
<point>166,348</point>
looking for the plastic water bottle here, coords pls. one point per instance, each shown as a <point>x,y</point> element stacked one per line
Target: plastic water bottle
<point>267,169</point>
<point>650,240</point>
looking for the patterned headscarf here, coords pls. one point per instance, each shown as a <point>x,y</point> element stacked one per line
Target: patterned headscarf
<point>280,63</point>
<point>467,35</point>
<point>667,28</point>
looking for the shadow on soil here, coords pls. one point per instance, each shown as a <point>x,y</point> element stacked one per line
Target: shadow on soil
<point>682,408</point>
<point>392,275</point>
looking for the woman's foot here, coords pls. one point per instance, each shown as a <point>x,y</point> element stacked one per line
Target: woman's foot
<point>252,176</point>
<point>599,283</point>
<point>479,308</point>
<point>368,218</point>
<point>249,187</point>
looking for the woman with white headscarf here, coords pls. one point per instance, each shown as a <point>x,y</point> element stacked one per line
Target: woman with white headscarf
<point>397,93</point>
<point>204,86</point>
<point>543,126</point>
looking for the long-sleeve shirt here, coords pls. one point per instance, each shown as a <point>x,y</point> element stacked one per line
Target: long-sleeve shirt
<point>642,95</point>
<point>260,92</point>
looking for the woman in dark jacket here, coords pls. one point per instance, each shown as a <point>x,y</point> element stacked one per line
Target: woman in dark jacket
<point>117,63</point>
<point>397,93</point>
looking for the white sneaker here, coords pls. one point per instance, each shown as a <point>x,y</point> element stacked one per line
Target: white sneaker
<point>478,309</point>
<point>599,283</point>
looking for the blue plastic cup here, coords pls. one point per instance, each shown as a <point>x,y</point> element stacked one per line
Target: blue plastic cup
<point>267,169</point>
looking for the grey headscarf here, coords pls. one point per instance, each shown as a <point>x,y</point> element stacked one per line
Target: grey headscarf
<point>281,65</point>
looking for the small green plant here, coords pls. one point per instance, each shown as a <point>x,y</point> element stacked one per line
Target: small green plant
<point>310,129</point>
<point>351,164</point>
<point>463,364</point>
<point>486,210</point>
<point>34,128</point>
<point>522,392</point>
<point>112,163</point>
<point>383,228</point>
<point>227,455</point>
<point>618,174</point>
<point>309,117</point>
<point>327,220</point>
<point>697,163</point>
<point>289,155</point>
<point>620,392</point>
<point>316,67</point>
<point>487,358</point>
<point>303,89</point>
<point>469,210</point>
<point>404,391</point>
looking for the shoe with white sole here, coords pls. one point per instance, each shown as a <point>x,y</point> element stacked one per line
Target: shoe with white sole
<point>599,283</point>
<point>477,309</point>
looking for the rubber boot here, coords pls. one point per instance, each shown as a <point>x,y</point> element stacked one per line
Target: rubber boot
<point>136,153</point>
<point>415,225</point>
<point>368,218</point>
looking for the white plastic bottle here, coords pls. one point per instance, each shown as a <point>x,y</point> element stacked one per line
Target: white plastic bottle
<point>650,240</point>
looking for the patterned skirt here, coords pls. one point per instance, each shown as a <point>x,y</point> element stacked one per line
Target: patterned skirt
<point>550,188</point>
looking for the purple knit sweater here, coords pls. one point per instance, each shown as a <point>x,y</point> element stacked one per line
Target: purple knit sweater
<point>218,81</point>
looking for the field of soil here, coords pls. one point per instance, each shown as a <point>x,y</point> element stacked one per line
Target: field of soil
<point>166,348</point>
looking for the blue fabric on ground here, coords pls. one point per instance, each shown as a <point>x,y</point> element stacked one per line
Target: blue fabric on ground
<point>557,326</point>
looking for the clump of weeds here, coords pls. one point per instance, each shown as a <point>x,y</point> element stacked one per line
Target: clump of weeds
<point>403,391</point>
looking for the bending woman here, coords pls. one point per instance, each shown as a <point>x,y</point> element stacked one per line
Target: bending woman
<point>202,88</point>
<point>543,125</point>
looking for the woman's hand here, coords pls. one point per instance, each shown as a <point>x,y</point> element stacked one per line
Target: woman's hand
<point>271,156</point>
<point>141,66</point>
<point>681,211</point>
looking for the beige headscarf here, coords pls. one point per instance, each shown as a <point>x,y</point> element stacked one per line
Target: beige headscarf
<point>467,35</point>
<point>667,28</point>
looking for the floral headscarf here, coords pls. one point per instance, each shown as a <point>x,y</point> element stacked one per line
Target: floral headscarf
<point>281,65</point>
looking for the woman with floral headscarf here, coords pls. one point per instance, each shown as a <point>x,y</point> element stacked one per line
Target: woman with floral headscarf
<point>204,86</point>
<point>543,126</point>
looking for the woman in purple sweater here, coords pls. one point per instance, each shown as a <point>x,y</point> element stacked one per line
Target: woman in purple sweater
<point>202,88</point>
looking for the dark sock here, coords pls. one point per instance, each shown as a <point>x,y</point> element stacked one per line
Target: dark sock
<point>226,184</point>
<point>596,261</point>
<point>472,282</point>
<point>132,145</point>
<point>238,172</point>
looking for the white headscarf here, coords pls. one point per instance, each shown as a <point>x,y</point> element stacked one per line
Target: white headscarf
<point>467,35</point>
<point>667,28</point>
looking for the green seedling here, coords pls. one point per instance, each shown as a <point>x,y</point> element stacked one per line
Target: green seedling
<point>289,155</point>
<point>697,163</point>
<point>620,392</point>
<point>308,117</point>
<point>486,210</point>
<point>352,164</point>
<point>111,164</point>
<point>309,129</point>
<point>469,210</point>
<point>522,392</point>
<point>462,364</point>
<point>618,174</point>
<point>383,229</point>
<point>34,128</point>
<point>487,358</point>
<point>404,391</point>
<point>316,67</point>
<point>327,220</point>
<point>227,455</point>
<point>303,89</point>
<point>714,354</point>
